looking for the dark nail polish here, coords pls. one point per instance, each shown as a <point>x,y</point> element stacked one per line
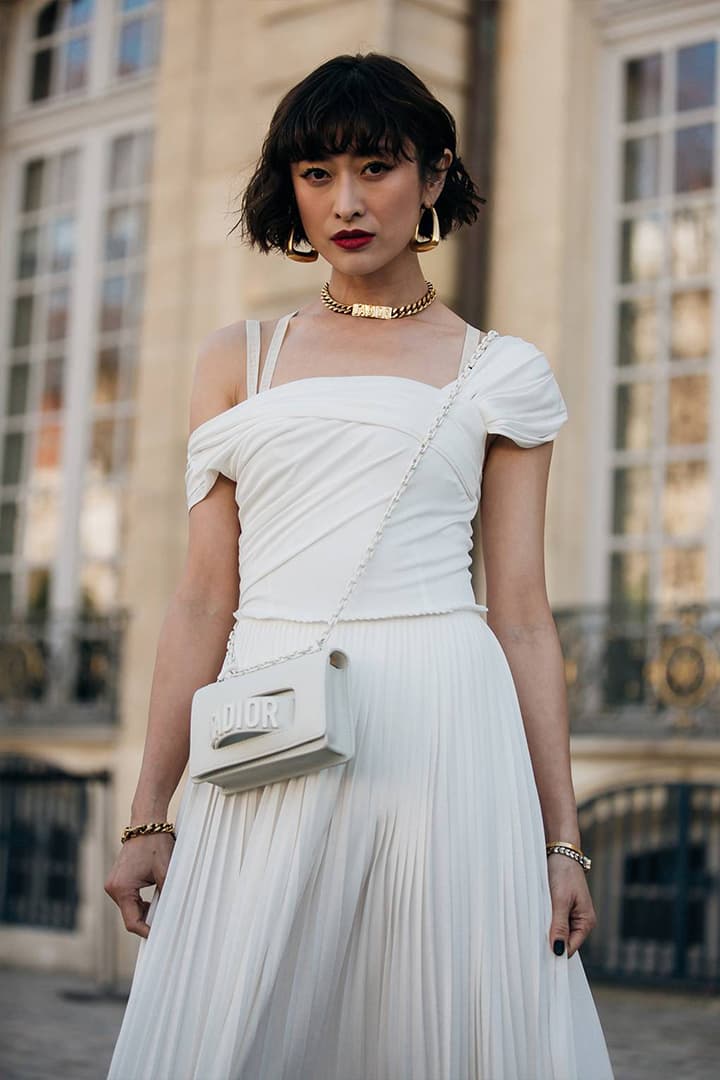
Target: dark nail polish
<point>559,947</point>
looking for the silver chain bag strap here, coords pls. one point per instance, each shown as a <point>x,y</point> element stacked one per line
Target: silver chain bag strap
<point>289,715</point>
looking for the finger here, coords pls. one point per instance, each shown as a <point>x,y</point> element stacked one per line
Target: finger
<point>133,910</point>
<point>559,928</point>
<point>581,927</point>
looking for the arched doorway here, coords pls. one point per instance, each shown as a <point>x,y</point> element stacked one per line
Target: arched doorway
<point>655,883</point>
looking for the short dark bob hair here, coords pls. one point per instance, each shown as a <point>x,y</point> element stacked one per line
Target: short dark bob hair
<point>369,104</point>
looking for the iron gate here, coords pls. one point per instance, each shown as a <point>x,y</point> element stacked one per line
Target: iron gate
<point>655,884</point>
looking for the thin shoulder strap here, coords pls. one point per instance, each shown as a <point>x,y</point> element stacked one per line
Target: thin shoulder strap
<point>252,328</point>
<point>275,343</point>
<point>472,339</point>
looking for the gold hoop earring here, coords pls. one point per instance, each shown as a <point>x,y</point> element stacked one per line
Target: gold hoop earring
<point>294,253</point>
<point>416,244</point>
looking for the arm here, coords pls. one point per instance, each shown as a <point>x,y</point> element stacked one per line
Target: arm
<point>513,501</point>
<point>519,614</point>
<point>191,644</point>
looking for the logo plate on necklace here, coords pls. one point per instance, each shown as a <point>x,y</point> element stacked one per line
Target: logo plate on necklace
<point>372,311</point>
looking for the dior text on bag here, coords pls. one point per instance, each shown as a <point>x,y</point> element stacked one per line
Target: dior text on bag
<point>291,714</point>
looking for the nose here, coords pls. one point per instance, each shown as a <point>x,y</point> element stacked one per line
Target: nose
<point>348,201</point>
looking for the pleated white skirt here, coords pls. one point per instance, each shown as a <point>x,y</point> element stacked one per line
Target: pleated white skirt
<point>384,919</point>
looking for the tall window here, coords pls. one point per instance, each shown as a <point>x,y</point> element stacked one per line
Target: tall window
<point>137,36</point>
<point>666,360</point>
<point>35,375</point>
<point>60,48</point>
<point>74,224</point>
<point>111,409</point>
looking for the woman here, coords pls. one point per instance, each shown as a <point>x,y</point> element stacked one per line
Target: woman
<point>395,917</point>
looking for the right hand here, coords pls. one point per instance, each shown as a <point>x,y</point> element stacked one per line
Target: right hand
<point>143,860</point>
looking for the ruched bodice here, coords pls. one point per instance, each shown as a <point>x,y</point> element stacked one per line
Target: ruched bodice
<point>316,461</point>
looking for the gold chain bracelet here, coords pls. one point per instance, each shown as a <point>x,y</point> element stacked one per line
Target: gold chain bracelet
<point>564,847</point>
<point>146,830</point>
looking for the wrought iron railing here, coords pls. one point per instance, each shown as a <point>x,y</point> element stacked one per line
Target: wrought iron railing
<point>649,674</point>
<point>62,670</point>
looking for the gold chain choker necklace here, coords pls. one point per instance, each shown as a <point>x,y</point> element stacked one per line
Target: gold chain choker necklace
<point>378,311</point>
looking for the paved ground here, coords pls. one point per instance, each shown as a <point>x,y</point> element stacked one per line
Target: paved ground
<point>46,1035</point>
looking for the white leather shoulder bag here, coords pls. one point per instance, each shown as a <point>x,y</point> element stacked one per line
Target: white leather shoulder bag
<point>289,715</point>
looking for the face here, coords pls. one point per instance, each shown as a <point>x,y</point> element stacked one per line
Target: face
<point>374,193</point>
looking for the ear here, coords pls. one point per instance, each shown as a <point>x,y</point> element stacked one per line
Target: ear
<point>433,188</point>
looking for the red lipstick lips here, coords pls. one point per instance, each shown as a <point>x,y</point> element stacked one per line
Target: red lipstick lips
<point>350,239</point>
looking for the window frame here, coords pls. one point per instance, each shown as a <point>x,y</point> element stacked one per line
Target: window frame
<point>639,28</point>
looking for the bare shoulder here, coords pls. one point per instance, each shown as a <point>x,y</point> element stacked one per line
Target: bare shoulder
<point>219,377</point>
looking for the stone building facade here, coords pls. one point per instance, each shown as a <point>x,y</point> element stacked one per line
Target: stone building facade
<point>127,131</point>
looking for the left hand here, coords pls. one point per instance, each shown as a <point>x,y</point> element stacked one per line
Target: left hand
<point>573,914</point>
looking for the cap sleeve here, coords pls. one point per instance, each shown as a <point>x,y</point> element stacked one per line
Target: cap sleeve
<point>517,393</point>
<point>209,452</point>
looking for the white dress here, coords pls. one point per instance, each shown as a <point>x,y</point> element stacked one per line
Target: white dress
<point>387,918</point>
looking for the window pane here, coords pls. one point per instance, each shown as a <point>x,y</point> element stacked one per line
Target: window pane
<point>643,87</point>
<point>12,459</point>
<point>18,386</point>
<point>107,376</point>
<point>6,592</point>
<point>100,521</point>
<point>124,448</point>
<point>692,241</point>
<point>112,303</point>
<point>633,426</point>
<point>133,5</point>
<point>629,574</point>
<point>641,248</point>
<point>52,393</point>
<point>686,498</point>
<point>688,397</point>
<point>637,328</point>
<point>48,452</point>
<point>38,590</point>
<point>691,325</point>
<point>58,313</point>
<point>42,522</point>
<point>143,157</point>
<point>683,576</point>
<point>8,519</point>
<point>121,163</point>
<point>80,12</point>
<point>76,63</point>
<point>694,149</point>
<point>66,177</point>
<point>135,296</point>
<point>130,49</point>
<point>33,185</point>
<point>641,171</point>
<point>22,324</point>
<point>99,583</point>
<point>41,75</point>
<point>632,500</point>
<point>29,252</point>
<point>124,232</point>
<point>101,452</point>
<point>695,76</point>
<point>62,244</point>
<point>46,21</point>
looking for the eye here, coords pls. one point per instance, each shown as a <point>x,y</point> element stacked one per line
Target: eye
<point>314,169</point>
<point>383,167</point>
